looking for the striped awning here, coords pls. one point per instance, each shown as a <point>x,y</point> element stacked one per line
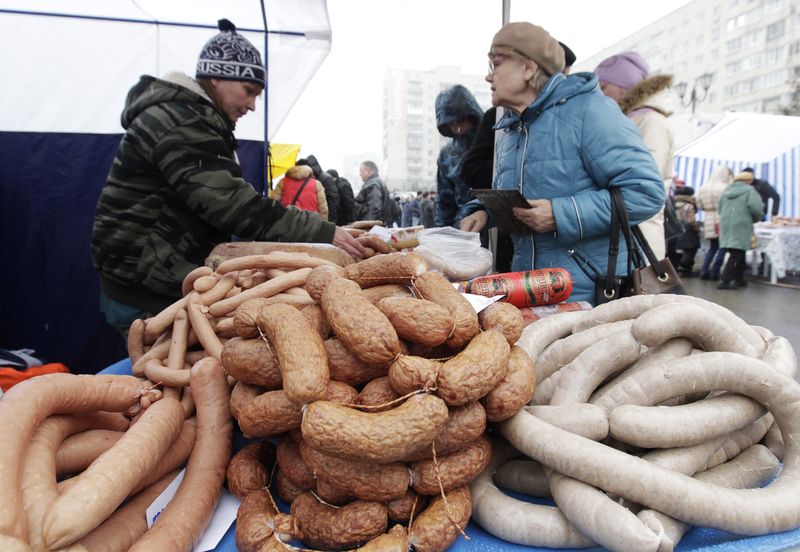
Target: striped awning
<point>770,144</point>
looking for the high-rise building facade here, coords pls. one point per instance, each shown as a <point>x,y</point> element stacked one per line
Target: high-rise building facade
<point>750,47</point>
<point>411,141</point>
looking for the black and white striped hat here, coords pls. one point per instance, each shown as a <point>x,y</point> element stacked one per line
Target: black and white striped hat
<point>230,56</point>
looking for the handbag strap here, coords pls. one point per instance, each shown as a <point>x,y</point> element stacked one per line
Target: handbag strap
<point>613,252</point>
<point>634,238</point>
<point>300,191</point>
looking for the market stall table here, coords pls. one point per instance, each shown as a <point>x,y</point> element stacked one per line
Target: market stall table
<point>781,244</point>
<point>697,539</point>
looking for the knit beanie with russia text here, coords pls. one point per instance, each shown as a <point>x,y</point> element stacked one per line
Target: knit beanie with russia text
<point>230,56</point>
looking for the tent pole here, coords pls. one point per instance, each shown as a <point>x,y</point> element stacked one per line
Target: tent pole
<point>267,184</point>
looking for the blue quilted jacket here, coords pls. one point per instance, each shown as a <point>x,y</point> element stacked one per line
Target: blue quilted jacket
<point>569,146</point>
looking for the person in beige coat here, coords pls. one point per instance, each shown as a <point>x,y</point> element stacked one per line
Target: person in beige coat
<point>708,200</point>
<point>625,78</point>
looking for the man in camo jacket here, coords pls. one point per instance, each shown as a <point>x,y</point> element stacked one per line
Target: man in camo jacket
<point>175,189</point>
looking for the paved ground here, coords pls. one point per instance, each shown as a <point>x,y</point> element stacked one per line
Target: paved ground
<point>761,304</point>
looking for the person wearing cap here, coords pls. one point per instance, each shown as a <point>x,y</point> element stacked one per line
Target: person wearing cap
<point>478,167</point>
<point>626,79</point>
<point>739,207</point>
<point>175,188</point>
<point>563,146</point>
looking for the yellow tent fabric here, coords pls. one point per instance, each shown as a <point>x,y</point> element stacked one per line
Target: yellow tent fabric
<point>281,157</point>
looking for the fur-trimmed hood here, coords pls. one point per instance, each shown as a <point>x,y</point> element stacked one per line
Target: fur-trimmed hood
<point>652,92</point>
<point>300,172</point>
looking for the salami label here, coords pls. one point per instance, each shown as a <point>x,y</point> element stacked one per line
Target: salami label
<point>526,288</point>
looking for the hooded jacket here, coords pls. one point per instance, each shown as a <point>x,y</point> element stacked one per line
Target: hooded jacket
<point>570,146</point>
<point>452,192</point>
<point>174,191</point>
<point>739,206</point>
<point>346,198</point>
<point>310,197</point>
<point>646,105</point>
<point>708,200</point>
<point>329,183</point>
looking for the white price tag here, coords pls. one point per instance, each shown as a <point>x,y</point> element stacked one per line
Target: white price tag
<point>221,520</point>
<point>479,302</point>
<point>382,232</point>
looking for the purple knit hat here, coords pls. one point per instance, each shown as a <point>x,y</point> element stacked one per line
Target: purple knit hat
<point>624,70</point>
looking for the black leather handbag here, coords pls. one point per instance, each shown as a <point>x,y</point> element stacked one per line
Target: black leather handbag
<point>646,275</point>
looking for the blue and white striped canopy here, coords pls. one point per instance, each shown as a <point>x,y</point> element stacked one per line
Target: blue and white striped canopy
<point>770,144</point>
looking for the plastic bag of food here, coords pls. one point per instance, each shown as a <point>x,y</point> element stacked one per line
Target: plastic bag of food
<point>458,255</point>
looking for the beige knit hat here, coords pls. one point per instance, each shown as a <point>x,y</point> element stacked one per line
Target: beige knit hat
<point>744,176</point>
<point>533,42</point>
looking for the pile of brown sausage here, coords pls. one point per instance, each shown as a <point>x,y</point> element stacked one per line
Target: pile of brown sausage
<point>378,395</point>
<point>375,381</point>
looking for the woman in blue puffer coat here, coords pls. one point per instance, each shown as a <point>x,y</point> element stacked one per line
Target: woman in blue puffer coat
<point>564,145</point>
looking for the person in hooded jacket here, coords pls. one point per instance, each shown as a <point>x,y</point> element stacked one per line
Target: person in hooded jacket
<point>457,116</point>
<point>626,79</point>
<point>328,183</point>
<point>175,189</point>
<point>707,199</point>
<point>300,188</point>
<point>739,207</point>
<point>564,146</point>
<point>346,198</point>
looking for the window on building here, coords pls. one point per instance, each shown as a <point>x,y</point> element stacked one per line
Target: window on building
<point>715,33</point>
<point>734,45</point>
<point>751,38</point>
<point>712,97</point>
<point>774,55</point>
<point>773,5</point>
<point>772,104</point>
<point>755,15</point>
<point>794,48</point>
<point>698,59</point>
<point>776,30</point>
<point>699,40</point>
<point>715,54</point>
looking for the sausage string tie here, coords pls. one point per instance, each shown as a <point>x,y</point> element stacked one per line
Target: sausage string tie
<point>315,495</point>
<point>444,497</point>
<point>384,405</point>
<point>264,338</point>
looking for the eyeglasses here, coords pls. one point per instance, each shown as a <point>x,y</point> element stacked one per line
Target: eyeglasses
<point>496,59</point>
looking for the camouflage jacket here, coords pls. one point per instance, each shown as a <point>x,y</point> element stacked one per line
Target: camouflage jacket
<point>174,191</point>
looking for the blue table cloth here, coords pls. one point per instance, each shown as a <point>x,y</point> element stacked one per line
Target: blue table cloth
<point>698,539</point>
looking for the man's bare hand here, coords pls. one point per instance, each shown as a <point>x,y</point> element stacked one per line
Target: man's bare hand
<point>539,217</point>
<point>475,222</point>
<point>343,240</point>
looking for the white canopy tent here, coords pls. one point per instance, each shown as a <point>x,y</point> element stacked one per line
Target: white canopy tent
<point>67,69</point>
<point>73,62</point>
<point>770,144</point>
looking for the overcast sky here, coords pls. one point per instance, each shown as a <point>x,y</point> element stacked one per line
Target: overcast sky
<point>340,110</point>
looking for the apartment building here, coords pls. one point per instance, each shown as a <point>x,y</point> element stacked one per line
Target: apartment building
<point>751,49</point>
<point>411,141</point>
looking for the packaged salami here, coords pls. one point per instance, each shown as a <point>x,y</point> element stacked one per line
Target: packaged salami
<point>525,288</point>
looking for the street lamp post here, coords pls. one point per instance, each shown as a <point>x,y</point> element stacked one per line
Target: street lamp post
<point>703,81</point>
